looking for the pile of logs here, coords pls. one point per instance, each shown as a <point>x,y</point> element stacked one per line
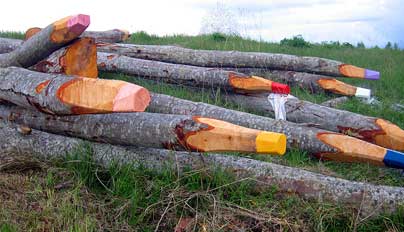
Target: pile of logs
<point>49,82</point>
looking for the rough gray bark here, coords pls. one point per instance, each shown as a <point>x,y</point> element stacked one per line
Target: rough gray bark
<point>299,136</point>
<point>367,128</point>
<point>234,59</point>
<point>183,74</point>
<point>335,102</point>
<point>134,129</point>
<point>110,36</point>
<point>370,199</point>
<point>8,45</point>
<point>40,46</point>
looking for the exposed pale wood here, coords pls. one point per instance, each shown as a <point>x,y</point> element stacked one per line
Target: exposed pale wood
<point>110,36</point>
<point>61,94</point>
<point>45,42</point>
<point>190,75</point>
<point>153,130</point>
<point>236,59</point>
<point>78,59</point>
<point>370,199</point>
<point>374,130</point>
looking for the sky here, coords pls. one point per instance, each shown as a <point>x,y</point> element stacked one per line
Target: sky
<point>374,22</point>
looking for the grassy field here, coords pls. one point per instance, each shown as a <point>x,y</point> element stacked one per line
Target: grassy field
<point>77,195</point>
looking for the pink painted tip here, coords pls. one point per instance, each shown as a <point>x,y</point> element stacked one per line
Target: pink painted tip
<point>131,98</point>
<point>78,23</point>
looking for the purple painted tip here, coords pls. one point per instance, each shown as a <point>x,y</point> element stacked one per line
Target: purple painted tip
<point>371,75</point>
<point>78,23</point>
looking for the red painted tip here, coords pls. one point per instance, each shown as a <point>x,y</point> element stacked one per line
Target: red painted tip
<point>78,23</point>
<point>280,88</point>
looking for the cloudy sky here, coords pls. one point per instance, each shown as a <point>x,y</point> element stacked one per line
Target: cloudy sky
<point>375,22</point>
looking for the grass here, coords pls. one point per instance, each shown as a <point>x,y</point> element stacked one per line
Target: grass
<point>139,199</point>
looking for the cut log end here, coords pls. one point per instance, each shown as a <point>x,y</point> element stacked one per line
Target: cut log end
<point>393,136</point>
<point>31,32</point>
<point>356,72</point>
<point>355,150</point>
<point>125,34</point>
<point>87,95</point>
<point>223,136</point>
<point>338,87</point>
<point>69,28</point>
<point>253,84</point>
<point>81,58</point>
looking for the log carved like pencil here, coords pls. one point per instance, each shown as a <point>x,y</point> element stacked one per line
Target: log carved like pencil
<point>369,198</point>
<point>191,75</point>
<point>77,59</point>
<point>311,82</point>
<point>110,36</point>
<point>64,95</point>
<point>236,59</point>
<point>46,42</point>
<point>153,130</point>
<point>374,130</point>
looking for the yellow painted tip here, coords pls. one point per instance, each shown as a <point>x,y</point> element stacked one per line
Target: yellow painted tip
<point>270,142</point>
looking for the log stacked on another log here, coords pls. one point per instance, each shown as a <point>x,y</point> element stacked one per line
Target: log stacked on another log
<point>46,41</point>
<point>64,95</point>
<point>111,36</point>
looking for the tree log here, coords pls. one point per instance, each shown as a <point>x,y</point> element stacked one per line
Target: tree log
<point>46,42</point>
<point>236,59</point>
<point>77,59</point>
<point>111,36</point>
<point>190,75</point>
<point>335,102</point>
<point>370,199</point>
<point>8,45</point>
<point>153,130</point>
<point>374,130</point>
<point>63,95</point>
<point>323,144</point>
<point>311,82</point>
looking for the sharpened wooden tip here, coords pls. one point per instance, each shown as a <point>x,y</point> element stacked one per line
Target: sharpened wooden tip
<point>125,34</point>
<point>31,32</point>
<point>393,136</point>
<point>223,136</point>
<point>356,72</point>
<point>351,149</point>
<point>69,28</point>
<point>336,86</point>
<point>252,84</point>
<point>80,58</point>
<point>88,95</point>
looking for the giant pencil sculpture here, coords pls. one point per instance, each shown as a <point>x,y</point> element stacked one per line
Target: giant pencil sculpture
<point>46,41</point>
<point>78,59</point>
<point>61,94</point>
<point>311,82</point>
<point>236,59</point>
<point>374,130</point>
<point>110,36</point>
<point>153,130</point>
<point>370,199</point>
<point>194,76</point>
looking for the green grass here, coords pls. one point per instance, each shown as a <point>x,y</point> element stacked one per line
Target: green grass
<point>140,197</point>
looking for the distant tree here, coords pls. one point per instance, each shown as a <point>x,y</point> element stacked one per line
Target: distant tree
<point>388,46</point>
<point>347,45</point>
<point>395,46</point>
<point>296,41</point>
<point>360,45</point>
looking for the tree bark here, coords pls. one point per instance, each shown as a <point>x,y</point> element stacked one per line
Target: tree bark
<point>45,42</point>
<point>110,36</point>
<point>236,59</point>
<point>153,130</point>
<point>374,130</point>
<point>370,199</point>
<point>76,59</point>
<point>312,82</point>
<point>189,75</point>
<point>63,95</point>
<point>8,45</point>
<point>335,102</point>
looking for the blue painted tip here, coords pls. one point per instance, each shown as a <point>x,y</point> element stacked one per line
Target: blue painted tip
<point>394,159</point>
<point>372,75</point>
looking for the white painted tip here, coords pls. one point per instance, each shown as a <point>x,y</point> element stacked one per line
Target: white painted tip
<point>362,92</point>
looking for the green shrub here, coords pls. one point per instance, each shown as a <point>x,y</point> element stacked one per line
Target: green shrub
<point>296,41</point>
